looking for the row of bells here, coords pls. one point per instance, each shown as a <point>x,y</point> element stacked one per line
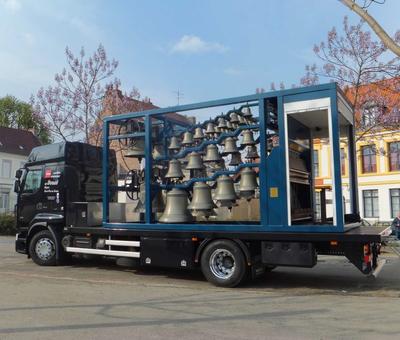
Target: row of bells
<point>136,147</point>
<point>196,162</point>
<point>177,209</point>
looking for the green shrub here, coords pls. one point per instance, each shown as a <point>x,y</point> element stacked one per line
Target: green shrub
<point>7,224</point>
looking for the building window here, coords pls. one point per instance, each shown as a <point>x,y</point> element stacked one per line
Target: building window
<point>395,202</point>
<point>372,113</point>
<point>4,201</point>
<point>316,163</point>
<point>368,160</point>
<point>394,156</point>
<point>371,205</point>
<point>6,168</point>
<point>342,161</point>
<point>317,213</point>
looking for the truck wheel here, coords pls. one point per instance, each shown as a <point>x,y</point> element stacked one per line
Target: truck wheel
<point>42,248</point>
<point>223,263</point>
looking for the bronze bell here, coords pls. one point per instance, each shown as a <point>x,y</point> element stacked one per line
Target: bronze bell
<point>212,154</point>
<point>246,112</point>
<point>248,183</point>
<point>230,146</point>
<point>225,194</point>
<point>174,169</point>
<point>210,129</point>
<point>195,162</point>
<point>252,152</point>
<point>198,133</point>
<point>229,125</point>
<point>157,205</point>
<point>233,117</point>
<point>202,203</point>
<point>135,148</point>
<point>187,138</point>
<point>248,138</point>
<point>158,151</point>
<point>242,121</point>
<point>236,159</point>
<point>176,208</point>
<point>221,123</point>
<point>174,144</point>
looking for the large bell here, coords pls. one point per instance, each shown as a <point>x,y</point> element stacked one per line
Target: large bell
<point>225,194</point>
<point>135,148</point>
<point>248,183</point>
<point>233,117</point>
<point>221,123</point>
<point>198,133</point>
<point>236,159</point>
<point>202,203</point>
<point>174,144</point>
<point>212,154</point>
<point>248,138</point>
<point>252,152</point>
<point>246,112</point>
<point>230,146</point>
<point>187,138</point>
<point>210,129</point>
<point>174,169</point>
<point>195,162</point>
<point>176,208</point>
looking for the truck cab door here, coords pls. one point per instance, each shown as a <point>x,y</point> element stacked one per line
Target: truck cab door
<point>30,197</point>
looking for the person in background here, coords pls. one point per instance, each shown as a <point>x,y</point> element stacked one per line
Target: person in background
<point>396,226</point>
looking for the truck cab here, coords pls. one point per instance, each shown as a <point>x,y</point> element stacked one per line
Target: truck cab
<point>54,175</point>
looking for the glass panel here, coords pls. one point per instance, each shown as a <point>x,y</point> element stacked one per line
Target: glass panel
<point>32,181</point>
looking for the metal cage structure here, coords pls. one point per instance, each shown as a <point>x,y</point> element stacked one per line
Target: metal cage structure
<point>314,109</point>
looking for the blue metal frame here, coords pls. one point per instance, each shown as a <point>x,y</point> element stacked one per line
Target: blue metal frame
<point>272,210</point>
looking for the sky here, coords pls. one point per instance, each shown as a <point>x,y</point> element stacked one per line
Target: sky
<point>204,49</point>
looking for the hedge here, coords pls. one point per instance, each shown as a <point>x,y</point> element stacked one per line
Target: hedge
<point>7,224</point>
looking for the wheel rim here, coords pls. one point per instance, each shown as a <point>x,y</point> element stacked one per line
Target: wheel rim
<point>222,263</point>
<point>45,249</point>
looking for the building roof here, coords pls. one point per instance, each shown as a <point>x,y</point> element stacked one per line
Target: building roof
<point>18,142</point>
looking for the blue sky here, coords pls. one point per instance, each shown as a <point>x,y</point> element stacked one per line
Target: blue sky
<point>206,49</point>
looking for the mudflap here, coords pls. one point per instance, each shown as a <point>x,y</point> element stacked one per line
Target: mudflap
<point>365,257</point>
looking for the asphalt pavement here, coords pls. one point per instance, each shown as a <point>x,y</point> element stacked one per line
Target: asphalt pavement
<point>95,299</point>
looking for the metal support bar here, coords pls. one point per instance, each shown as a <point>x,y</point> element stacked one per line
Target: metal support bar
<point>127,135</point>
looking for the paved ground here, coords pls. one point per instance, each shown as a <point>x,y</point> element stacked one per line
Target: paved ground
<point>97,300</point>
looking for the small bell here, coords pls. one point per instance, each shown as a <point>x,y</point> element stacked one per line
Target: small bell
<point>221,123</point>
<point>187,138</point>
<point>212,154</point>
<point>242,121</point>
<point>157,205</point>
<point>210,129</point>
<point>229,125</point>
<point>233,117</point>
<point>248,138</point>
<point>236,159</point>
<point>176,208</point>
<point>135,148</point>
<point>202,203</point>
<point>174,169</point>
<point>248,183</point>
<point>252,152</point>
<point>230,147</point>
<point>158,151</point>
<point>198,133</point>
<point>174,144</point>
<point>195,162</point>
<point>246,112</point>
<point>225,194</point>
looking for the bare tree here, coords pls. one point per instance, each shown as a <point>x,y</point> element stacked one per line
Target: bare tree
<point>368,75</point>
<point>74,104</point>
<point>391,43</point>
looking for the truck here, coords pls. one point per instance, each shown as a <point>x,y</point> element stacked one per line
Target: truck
<point>235,195</point>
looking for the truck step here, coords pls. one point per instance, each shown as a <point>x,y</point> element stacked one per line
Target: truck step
<point>117,253</point>
<point>123,243</point>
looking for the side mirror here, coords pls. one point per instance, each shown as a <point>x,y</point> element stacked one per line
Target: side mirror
<point>16,186</point>
<point>18,173</point>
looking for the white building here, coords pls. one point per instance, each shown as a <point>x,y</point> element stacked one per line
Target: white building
<point>15,146</point>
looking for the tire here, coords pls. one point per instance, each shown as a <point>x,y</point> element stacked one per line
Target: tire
<point>223,263</point>
<point>42,248</point>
